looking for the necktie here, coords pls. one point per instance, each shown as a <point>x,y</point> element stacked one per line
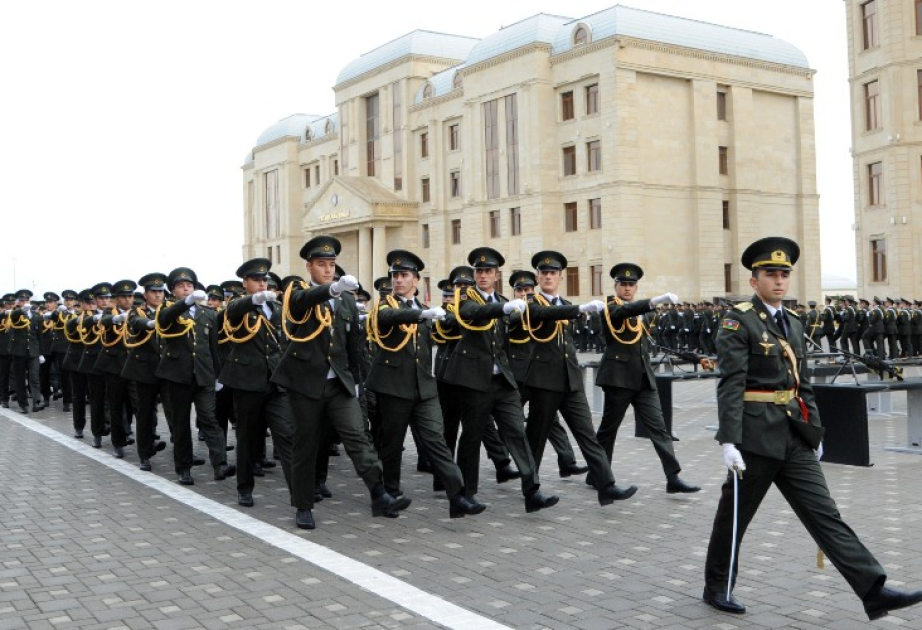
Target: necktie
<point>782,324</point>
<point>557,301</point>
<point>490,298</point>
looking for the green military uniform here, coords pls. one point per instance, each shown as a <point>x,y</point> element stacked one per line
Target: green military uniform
<point>891,330</point>
<point>6,360</point>
<point>766,408</point>
<point>904,329</point>
<point>91,333</point>
<point>23,326</point>
<point>917,328</point>
<point>874,337</point>
<point>111,362</point>
<point>73,331</point>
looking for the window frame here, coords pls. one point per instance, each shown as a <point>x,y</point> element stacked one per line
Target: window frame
<point>568,154</point>
<point>570,216</point>
<point>567,106</point>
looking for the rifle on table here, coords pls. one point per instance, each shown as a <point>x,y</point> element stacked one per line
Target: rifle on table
<point>873,363</point>
<point>707,364</point>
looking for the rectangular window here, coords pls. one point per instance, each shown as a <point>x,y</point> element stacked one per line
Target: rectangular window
<point>869,24</point>
<point>594,156</point>
<point>498,285</point>
<point>721,105</point>
<point>872,105</point>
<point>570,219</point>
<point>269,253</point>
<point>919,90</point>
<point>424,144</point>
<point>515,221</point>
<point>595,217</point>
<point>307,177</point>
<point>424,185</point>
<point>454,138</point>
<point>271,181</point>
<point>278,253</point>
<point>512,145</point>
<point>592,99</point>
<point>875,183</point>
<point>566,106</point>
<point>491,147</point>
<point>251,195</point>
<point>335,168</point>
<point>569,161</point>
<point>397,123</point>
<point>317,173</point>
<point>425,237</point>
<point>724,161</point>
<point>372,132</point>
<point>455,177</point>
<point>879,260</point>
<point>572,281</point>
<point>726,211</point>
<point>918,17</point>
<point>595,272</point>
<point>728,283</point>
<point>455,231</point>
<point>494,224</point>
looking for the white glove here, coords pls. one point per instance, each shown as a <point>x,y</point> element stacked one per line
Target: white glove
<point>97,317</point>
<point>151,324</point>
<point>41,361</point>
<point>665,298</point>
<point>436,312</point>
<point>356,391</point>
<point>264,296</point>
<point>119,319</point>
<point>196,296</point>
<point>46,316</point>
<point>819,452</point>
<point>62,308</point>
<point>218,386</point>
<point>515,305</point>
<point>346,283</point>
<point>733,460</point>
<point>26,307</point>
<point>595,306</point>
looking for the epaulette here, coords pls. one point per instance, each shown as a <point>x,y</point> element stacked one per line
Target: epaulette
<point>792,312</point>
<point>742,307</point>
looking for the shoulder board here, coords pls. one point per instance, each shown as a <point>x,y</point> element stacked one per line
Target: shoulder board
<point>792,312</point>
<point>742,307</point>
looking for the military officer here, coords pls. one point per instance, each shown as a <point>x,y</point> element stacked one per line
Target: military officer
<point>319,368</point>
<point>848,330</point>
<point>904,328</point>
<point>111,362</point>
<point>917,328</point>
<point>73,331</point>
<point>252,324</point>
<point>479,367</point>
<point>626,375</point>
<point>770,428</point>
<point>813,323</point>
<point>861,319</point>
<point>189,364</point>
<point>24,349</point>
<point>62,386</point>
<point>830,319</point>
<point>6,359</point>
<point>554,380</point>
<point>141,364</point>
<point>891,329</point>
<point>874,337</point>
<point>48,375</point>
<point>405,387</point>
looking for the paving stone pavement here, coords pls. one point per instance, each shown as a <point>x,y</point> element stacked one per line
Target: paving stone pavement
<point>86,546</point>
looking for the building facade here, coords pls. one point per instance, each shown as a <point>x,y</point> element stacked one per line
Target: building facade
<point>622,135</point>
<point>885,75</point>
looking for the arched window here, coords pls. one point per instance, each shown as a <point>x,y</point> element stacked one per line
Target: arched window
<point>427,91</point>
<point>456,82</point>
<point>308,135</point>
<point>328,128</point>
<point>580,36</point>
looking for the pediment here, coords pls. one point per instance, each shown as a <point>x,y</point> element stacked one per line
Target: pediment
<point>350,200</point>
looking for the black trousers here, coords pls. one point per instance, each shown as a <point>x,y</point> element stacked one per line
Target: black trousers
<point>339,410</point>
<point>146,414</point>
<point>917,345</point>
<point>573,406</point>
<point>255,411</point>
<point>181,397</point>
<point>57,360</point>
<point>557,436</point>
<point>800,479</point>
<point>46,373</point>
<point>892,348</point>
<point>20,370</point>
<point>874,342</point>
<point>452,411</point>
<point>503,404</point>
<point>646,409</point>
<point>905,346</point>
<point>6,370</point>
<point>224,409</point>
<point>118,398</point>
<point>426,415</point>
<point>96,384</point>
<point>81,386</point>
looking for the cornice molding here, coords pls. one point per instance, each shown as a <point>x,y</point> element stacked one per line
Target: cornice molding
<point>521,51</point>
<point>393,64</point>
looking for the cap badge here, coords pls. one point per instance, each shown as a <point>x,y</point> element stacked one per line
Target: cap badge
<point>627,274</point>
<point>547,261</point>
<point>326,248</point>
<point>778,256</point>
<point>262,270</point>
<point>483,259</point>
<point>397,262</point>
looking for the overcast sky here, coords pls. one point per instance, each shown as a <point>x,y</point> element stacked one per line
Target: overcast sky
<point>123,125</point>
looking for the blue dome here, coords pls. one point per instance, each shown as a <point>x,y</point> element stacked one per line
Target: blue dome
<point>540,28</point>
<point>291,126</point>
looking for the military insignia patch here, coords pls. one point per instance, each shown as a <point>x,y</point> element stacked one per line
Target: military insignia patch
<point>730,324</point>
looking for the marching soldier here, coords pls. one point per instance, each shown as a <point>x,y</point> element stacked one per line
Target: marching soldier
<point>891,330</point>
<point>917,328</point>
<point>189,364</point>
<point>24,350</point>
<point>554,380</point>
<point>405,387</point>
<point>848,330</point>
<point>60,345</point>
<point>48,376</point>
<point>111,362</point>
<point>480,369</point>
<point>253,325</point>
<point>770,428</point>
<point>73,331</point>
<point>319,369</point>
<point>874,337</point>
<point>861,319</point>
<point>814,323</point>
<point>6,359</point>
<point>141,365</point>
<point>904,328</point>
<point>626,375</point>
<point>91,335</point>
<point>829,325</point>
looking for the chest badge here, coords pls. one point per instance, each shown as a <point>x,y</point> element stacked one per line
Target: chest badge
<point>765,344</point>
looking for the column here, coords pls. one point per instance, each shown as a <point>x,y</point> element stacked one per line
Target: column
<point>365,258</point>
<point>379,252</point>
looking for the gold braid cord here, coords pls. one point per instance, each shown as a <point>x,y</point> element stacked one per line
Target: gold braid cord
<point>85,338</point>
<point>186,324</point>
<point>440,335</point>
<point>251,329</point>
<point>63,318</point>
<point>409,330</point>
<point>558,325</point>
<point>324,320</point>
<point>23,322</point>
<point>76,328</point>
<point>472,294</point>
<point>47,326</point>
<point>120,332</point>
<point>130,338</point>
<point>636,329</point>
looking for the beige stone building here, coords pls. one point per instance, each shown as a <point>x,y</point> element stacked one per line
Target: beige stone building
<point>622,135</point>
<point>885,73</point>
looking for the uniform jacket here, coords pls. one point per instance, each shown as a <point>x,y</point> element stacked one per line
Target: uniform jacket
<point>917,321</point>
<point>304,365</point>
<point>520,348</point>
<point>190,358</point>
<point>111,359</point>
<point>813,323</point>
<point>91,334</point>
<point>144,354</point>
<point>23,333</point>
<point>626,365</point>
<point>250,364</point>
<point>478,351</point>
<point>876,321</point>
<point>553,362</point>
<point>59,343</point>
<point>829,320</point>
<point>72,328</point>
<point>904,322</point>
<point>890,327</point>
<point>750,357</point>
<point>406,373</point>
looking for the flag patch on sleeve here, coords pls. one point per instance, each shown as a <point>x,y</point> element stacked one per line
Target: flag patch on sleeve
<point>730,324</point>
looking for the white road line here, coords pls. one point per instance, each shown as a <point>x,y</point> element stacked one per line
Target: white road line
<point>377,582</point>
